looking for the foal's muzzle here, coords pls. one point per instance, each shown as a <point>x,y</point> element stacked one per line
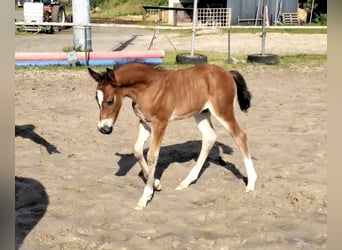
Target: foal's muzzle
<point>105,126</point>
<point>105,129</point>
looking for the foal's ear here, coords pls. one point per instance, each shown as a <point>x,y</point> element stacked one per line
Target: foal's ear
<point>94,74</point>
<point>111,76</point>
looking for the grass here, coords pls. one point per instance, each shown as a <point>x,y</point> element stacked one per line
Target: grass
<point>169,61</point>
<point>250,30</point>
<point>70,48</point>
<point>285,61</point>
<point>280,29</point>
<point>302,59</point>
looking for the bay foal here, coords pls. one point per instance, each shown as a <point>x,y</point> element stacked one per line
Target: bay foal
<point>160,96</point>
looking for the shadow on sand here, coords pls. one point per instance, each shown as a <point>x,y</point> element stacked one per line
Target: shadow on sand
<point>31,201</point>
<point>124,44</point>
<point>27,131</point>
<point>183,152</point>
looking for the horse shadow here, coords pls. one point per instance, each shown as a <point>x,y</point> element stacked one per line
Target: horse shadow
<point>124,44</point>
<point>27,131</point>
<point>181,153</point>
<point>31,201</point>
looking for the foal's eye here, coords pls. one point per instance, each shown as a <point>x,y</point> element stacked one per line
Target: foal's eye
<point>110,101</point>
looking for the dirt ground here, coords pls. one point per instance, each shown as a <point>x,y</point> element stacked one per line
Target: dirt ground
<point>76,188</point>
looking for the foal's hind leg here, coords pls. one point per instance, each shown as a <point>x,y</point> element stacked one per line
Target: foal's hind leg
<point>229,122</point>
<point>208,140</point>
<point>144,133</point>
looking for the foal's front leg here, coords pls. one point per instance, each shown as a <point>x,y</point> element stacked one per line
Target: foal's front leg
<point>144,133</point>
<point>158,130</point>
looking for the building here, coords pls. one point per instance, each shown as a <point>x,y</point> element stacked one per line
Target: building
<point>244,12</point>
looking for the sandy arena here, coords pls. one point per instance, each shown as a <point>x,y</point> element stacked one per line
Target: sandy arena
<point>76,188</point>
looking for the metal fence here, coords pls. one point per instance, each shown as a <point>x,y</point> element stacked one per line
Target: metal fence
<point>217,17</point>
<point>206,17</point>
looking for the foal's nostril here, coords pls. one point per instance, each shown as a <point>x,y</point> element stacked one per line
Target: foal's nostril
<point>106,130</point>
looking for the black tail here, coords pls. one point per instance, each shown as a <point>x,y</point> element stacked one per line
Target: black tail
<point>244,96</point>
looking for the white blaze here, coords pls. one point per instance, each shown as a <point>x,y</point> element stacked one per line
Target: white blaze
<point>104,122</point>
<point>99,97</point>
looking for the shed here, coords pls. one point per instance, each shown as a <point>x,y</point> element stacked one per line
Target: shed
<point>244,12</point>
<point>252,10</point>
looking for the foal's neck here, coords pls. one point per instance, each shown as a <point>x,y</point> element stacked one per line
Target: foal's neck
<point>135,74</point>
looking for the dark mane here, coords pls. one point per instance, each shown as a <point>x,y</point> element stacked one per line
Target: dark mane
<point>103,74</point>
<point>135,61</point>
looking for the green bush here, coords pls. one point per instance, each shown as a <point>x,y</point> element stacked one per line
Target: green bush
<point>140,2</point>
<point>115,8</point>
<point>321,19</point>
<point>115,3</point>
<point>96,3</point>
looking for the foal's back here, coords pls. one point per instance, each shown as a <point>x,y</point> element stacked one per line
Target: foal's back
<point>202,81</point>
<point>208,76</point>
<point>197,76</point>
<point>182,92</point>
<point>197,88</point>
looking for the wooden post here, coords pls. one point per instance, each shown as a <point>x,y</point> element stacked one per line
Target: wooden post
<point>143,13</point>
<point>174,17</point>
<point>160,18</point>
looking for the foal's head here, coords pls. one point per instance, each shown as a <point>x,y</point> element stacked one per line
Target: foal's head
<point>107,99</point>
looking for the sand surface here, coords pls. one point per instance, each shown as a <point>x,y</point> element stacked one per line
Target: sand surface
<point>76,188</point>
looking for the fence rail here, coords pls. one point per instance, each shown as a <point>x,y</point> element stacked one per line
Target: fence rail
<point>18,24</point>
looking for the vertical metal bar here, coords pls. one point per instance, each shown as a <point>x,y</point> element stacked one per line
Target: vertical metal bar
<point>276,13</point>
<point>257,14</point>
<point>229,57</point>
<point>86,51</point>
<point>228,21</point>
<point>193,30</point>
<point>263,35</point>
<point>312,6</point>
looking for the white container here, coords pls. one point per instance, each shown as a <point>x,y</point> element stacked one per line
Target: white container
<point>33,12</point>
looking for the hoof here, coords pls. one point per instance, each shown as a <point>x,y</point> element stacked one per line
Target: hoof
<point>250,185</point>
<point>249,189</point>
<point>140,205</point>
<point>157,185</point>
<point>181,187</point>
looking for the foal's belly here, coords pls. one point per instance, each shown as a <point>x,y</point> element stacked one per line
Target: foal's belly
<point>186,112</point>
